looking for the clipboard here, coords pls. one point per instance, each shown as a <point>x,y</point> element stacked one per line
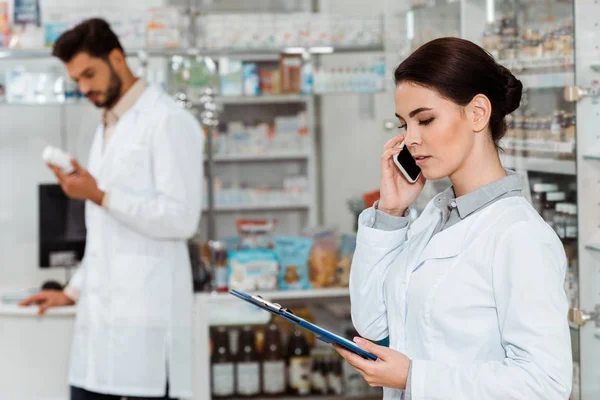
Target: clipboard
<point>322,334</point>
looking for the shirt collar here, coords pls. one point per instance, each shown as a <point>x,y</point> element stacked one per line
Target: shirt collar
<point>471,202</point>
<point>111,116</point>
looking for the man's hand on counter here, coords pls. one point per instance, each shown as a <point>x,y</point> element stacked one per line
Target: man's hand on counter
<point>79,184</point>
<point>48,298</point>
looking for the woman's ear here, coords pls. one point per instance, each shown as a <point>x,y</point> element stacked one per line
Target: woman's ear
<point>479,112</point>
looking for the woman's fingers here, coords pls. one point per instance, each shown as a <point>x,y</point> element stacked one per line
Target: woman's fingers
<point>396,140</point>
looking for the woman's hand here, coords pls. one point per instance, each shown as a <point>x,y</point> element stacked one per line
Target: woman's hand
<point>397,194</point>
<point>390,370</point>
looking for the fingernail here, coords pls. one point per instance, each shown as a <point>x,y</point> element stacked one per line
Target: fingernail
<point>357,340</point>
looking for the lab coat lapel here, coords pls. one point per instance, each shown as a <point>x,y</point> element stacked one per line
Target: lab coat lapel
<point>147,99</point>
<point>445,244</point>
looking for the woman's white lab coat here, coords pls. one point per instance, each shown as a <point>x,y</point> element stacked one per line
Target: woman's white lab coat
<point>134,314</point>
<point>488,320</point>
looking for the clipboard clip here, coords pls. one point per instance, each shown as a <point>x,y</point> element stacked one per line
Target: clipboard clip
<point>273,306</point>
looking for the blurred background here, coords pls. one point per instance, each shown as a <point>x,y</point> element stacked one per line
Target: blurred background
<point>296,101</point>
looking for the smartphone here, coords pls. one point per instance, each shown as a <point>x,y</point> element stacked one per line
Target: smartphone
<point>407,165</point>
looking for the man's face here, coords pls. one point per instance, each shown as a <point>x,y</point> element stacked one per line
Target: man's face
<point>96,79</point>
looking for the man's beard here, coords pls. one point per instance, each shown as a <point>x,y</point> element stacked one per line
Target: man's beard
<point>111,94</point>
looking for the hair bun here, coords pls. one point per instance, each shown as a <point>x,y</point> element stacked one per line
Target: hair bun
<point>513,89</point>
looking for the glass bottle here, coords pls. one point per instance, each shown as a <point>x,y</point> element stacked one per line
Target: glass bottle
<point>220,268</point>
<point>318,379</point>
<point>571,224</point>
<point>273,363</point>
<point>560,220</point>
<point>222,366</point>
<point>248,365</point>
<point>549,211</point>
<point>335,378</point>
<point>299,364</point>
<point>538,198</point>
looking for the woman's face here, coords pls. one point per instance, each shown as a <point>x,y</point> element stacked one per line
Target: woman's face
<point>437,132</point>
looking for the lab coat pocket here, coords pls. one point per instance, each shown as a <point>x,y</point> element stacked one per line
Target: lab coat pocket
<point>132,168</point>
<point>142,289</point>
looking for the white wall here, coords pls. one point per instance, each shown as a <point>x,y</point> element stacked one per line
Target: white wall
<point>350,145</point>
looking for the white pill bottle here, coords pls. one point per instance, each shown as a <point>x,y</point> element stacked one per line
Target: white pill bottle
<point>58,158</point>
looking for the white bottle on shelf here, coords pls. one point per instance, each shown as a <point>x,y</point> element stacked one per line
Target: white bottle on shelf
<point>58,158</point>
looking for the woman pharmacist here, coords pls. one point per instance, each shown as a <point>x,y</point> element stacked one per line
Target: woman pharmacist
<point>471,294</point>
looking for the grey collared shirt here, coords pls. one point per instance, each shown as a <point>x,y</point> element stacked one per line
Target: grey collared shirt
<point>453,211</point>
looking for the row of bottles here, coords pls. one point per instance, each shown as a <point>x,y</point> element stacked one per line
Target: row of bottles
<point>552,205</point>
<point>348,79</point>
<point>555,199</point>
<point>258,364</point>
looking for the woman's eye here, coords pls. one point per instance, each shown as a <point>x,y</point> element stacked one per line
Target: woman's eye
<point>402,126</point>
<point>426,122</point>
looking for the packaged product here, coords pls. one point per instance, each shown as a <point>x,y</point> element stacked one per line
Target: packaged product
<point>253,269</point>
<point>230,73</point>
<point>322,262</point>
<point>370,198</point>
<point>4,24</point>
<point>346,252</point>
<point>163,27</point>
<point>290,67</point>
<point>256,233</point>
<point>251,80</point>
<point>293,253</point>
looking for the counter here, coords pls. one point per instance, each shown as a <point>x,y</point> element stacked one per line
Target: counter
<point>34,352</point>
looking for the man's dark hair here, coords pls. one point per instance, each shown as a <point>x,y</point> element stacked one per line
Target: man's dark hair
<point>92,36</point>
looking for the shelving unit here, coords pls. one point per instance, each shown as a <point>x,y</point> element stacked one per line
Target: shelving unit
<point>548,80</point>
<point>591,157</point>
<point>275,156</point>
<point>282,295</point>
<point>254,53</point>
<point>266,99</point>
<point>547,165</point>
<point>326,397</point>
<point>259,207</point>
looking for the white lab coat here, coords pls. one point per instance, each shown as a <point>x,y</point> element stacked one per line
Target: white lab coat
<point>134,315</point>
<point>487,319</point>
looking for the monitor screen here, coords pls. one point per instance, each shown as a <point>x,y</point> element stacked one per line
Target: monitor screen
<point>61,228</point>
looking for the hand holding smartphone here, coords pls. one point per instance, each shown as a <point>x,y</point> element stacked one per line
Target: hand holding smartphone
<point>407,165</point>
<point>401,178</point>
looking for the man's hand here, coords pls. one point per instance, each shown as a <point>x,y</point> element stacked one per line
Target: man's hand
<point>48,298</point>
<point>390,370</point>
<point>79,184</point>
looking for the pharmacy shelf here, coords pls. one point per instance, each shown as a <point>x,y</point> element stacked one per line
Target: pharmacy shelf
<point>547,165</point>
<point>283,295</point>
<point>266,99</point>
<point>249,53</point>
<point>547,80</point>
<point>593,247</point>
<point>259,207</point>
<point>591,157</point>
<point>233,158</point>
<point>328,397</point>
<point>536,63</point>
<point>538,145</point>
<point>45,104</point>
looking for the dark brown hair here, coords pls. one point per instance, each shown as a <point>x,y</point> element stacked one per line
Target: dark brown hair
<point>92,36</point>
<point>459,70</point>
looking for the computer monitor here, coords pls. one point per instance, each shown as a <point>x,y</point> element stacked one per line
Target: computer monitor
<point>61,228</point>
